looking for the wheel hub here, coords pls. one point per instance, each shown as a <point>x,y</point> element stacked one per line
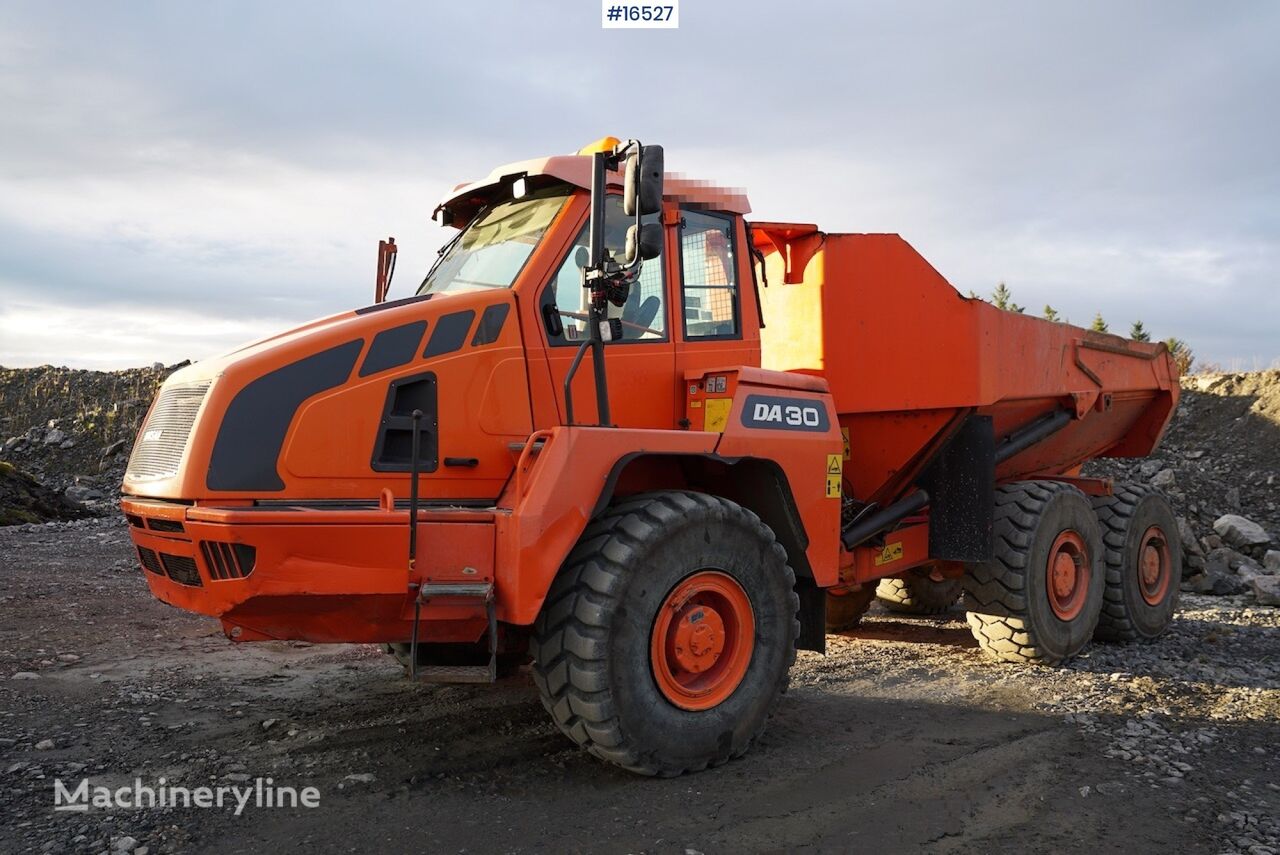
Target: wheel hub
<point>1154,566</point>
<point>703,637</point>
<point>1068,574</point>
<point>699,638</point>
<point>1065,575</point>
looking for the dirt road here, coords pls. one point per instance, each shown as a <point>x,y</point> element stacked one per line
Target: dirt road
<point>902,739</point>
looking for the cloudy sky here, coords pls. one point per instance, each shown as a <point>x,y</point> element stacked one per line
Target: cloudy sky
<point>179,177</point>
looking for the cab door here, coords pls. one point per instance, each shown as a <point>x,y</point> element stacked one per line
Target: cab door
<point>641,367</point>
<point>719,324</point>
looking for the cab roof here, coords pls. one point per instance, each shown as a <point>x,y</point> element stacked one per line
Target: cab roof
<point>575,169</point>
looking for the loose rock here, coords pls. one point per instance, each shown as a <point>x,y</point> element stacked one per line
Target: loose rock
<point>1241,531</point>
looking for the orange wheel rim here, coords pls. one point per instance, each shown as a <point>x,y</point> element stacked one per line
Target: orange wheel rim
<point>1155,566</point>
<point>1068,573</point>
<point>702,640</point>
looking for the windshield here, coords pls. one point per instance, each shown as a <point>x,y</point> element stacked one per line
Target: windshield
<point>492,250</point>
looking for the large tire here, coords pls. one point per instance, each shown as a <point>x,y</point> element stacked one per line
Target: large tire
<point>916,594</point>
<point>846,608</point>
<point>607,642</point>
<point>1039,597</point>
<point>1142,556</point>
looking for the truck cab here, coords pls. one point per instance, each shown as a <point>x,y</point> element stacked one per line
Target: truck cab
<point>284,470</point>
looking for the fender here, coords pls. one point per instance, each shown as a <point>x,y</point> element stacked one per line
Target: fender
<point>558,482</point>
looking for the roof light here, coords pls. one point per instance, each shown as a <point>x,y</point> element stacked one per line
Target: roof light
<point>602,144</point>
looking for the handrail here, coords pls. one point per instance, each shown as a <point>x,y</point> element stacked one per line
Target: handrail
<point>523,464</point>
<point>568,380</point>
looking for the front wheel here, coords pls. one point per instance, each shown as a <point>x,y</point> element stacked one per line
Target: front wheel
<point>666,638</point>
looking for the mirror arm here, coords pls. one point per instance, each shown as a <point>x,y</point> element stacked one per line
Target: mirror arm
<point>597,312</point>
<point>595,276</point>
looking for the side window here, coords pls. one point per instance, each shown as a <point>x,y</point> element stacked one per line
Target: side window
<point>644,316</point>
<point>710,276</point>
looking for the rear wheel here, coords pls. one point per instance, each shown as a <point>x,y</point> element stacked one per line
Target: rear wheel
<point>1039,597</point>
<point>917,594</point>
<point>666,638</point>
<point>1142,558</point>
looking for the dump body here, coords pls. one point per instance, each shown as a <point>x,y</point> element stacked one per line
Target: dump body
<point>906,357</point>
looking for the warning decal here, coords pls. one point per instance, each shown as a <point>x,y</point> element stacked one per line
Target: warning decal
<point>717,417</point>
<point>835,472</point>
<point>891,552</point>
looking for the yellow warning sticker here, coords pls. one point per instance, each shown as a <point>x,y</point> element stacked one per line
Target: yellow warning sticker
<point>844,432</point>
<point>891,552</point>
<point>835,476</point>
<point>717,414</point>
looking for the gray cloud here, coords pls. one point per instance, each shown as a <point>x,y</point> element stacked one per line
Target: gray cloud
<point>236,162</point>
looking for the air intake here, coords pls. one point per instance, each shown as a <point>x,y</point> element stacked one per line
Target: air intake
<point>228,560</point>
<point>181,569</point>
<point>150,561</point>
<point>163,438</point>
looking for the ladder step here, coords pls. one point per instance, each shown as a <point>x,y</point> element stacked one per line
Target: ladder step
<point>456,673</point>
<point>476,590</point>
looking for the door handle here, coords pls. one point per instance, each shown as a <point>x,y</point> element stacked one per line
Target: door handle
<point>551,320</point>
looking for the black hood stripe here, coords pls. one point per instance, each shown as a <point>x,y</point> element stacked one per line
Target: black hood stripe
<point>253,430</point>
<point>490,326</point>
<point>393,347</point>
<point>449,334</point>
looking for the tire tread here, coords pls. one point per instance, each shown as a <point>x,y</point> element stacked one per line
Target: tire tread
<point>570,638</point>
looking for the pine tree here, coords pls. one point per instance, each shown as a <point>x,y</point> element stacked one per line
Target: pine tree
<point>1099,325</point>
<point>1051,314</point>
<point>1138,333</point>
<point>1182,355</point>
<point>1002,298</point>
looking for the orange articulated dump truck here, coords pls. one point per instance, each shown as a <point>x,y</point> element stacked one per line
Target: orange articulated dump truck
<point>623,432</point>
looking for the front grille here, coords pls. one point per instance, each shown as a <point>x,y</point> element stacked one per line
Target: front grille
<point>163,438</point>
<point>164,525</point>
<point>181,569</point>
<point>228,560</point>
<point>150,561</point>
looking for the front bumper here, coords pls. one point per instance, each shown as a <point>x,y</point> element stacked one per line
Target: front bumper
<point>313,574</point>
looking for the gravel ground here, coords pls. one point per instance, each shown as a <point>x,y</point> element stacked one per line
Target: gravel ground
<point>904,738</point>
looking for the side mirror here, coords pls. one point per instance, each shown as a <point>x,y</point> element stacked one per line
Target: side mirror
<point>643,181</point>
<point>647,243</point>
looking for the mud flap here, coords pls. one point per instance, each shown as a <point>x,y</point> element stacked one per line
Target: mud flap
<point>961,485</point>
<point>813,618</point>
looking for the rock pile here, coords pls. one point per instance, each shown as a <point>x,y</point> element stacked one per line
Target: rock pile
<point>70,431</point>
<point>23,499</point>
